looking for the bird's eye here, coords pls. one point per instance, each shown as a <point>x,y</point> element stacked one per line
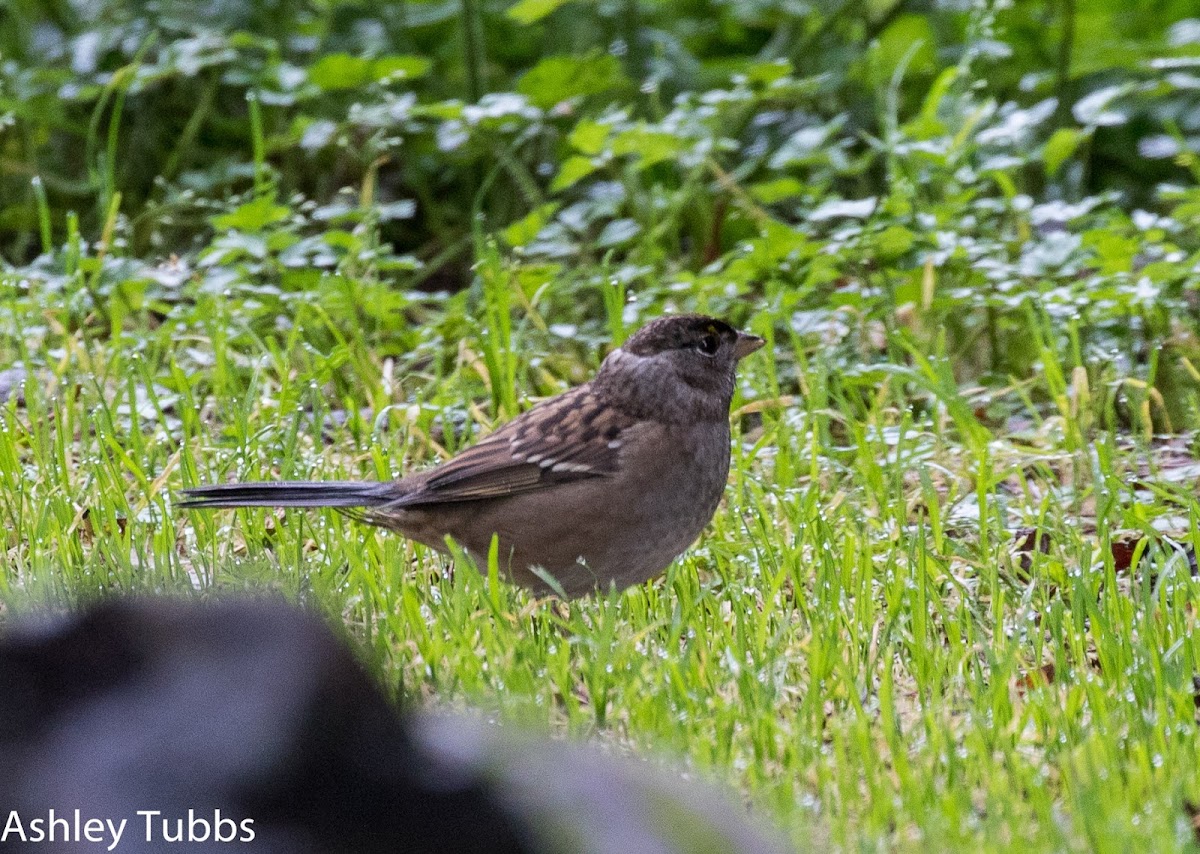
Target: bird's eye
<point>709,345</point>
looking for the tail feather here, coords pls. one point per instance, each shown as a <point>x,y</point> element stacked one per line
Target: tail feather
<point>328,493</point>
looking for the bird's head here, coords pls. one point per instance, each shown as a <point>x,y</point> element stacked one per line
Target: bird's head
<point>682,365</point>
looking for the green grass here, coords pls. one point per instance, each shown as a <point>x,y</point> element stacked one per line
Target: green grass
<point>857,643</point>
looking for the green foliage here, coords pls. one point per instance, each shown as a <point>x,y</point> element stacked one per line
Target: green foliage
<point>343,71</point>
<point>246,239</point>
<point>556,79</point>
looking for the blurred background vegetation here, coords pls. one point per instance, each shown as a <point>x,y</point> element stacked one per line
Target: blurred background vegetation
<point>152,101</point>
<point>817,155</point>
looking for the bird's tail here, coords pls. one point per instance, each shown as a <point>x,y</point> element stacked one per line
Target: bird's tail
<point>297,493</point>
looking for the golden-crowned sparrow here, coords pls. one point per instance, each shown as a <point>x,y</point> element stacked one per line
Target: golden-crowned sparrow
<point>605,484</point>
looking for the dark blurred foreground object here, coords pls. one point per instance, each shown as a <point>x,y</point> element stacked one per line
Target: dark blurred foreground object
<point>249,726</point>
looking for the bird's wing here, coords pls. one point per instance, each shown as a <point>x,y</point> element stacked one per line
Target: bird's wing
<point>571,437</point>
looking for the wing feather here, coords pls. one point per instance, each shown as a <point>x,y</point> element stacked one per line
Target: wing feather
<point>571,437</point>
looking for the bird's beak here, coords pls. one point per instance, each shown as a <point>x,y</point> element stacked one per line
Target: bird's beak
<point>746,344</point>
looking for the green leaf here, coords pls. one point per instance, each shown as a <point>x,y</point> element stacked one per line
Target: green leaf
<point>339,239</point>
<point>1162,272</point>
<point>400,67</point>
<point>527,227</point>
<point>766,73</point>
<point>1059,148</point>
<point>1115,252</point>
<point>777,242</point>
<point>894,241</point>
<point>937,92</point>
<point>559,78</point>
<point>532,11</point>
<point>532,278</point>
<point>572,170</point>
<point>650,146</point>
<point>300,278</point>
<point>342,71</point>
<point>824,269</point>
<point>339,71</point>
<point>589,137</point>
<point>252,216</point>
<point>777,190</point>
<point>909,37</point>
